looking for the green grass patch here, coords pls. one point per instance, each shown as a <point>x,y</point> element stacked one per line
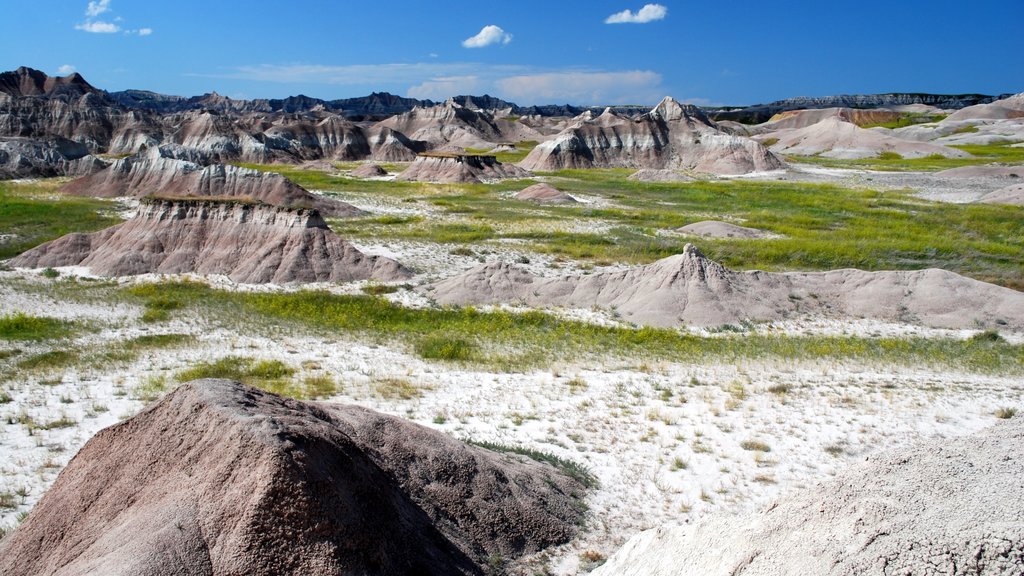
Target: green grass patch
<point>270,375</point>
<point>21,326</point>
<point>908,119</point>
<point>1002,152</point>
<point>570,468</point>
<point>35,213</point>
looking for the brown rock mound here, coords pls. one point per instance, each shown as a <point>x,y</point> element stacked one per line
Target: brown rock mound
<point>368,171</point>
<point>836,138</point>
<point>451,167</point>
<point>545,194</point>
<point>690,289</point>
<point>221,478</point>
<point>805,118</point>
<point>671,136</point>
<point>250,243</point>
<point>944,506</point>
<point>717,229</point>
<point>1013,195</point>
<point>150,173</point>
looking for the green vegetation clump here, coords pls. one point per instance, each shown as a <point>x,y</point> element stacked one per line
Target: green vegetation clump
<point>1006,413</point>
<point>270,375</point>
<point>440,347</point>
<point>574,470</point>
<point>21,326</point>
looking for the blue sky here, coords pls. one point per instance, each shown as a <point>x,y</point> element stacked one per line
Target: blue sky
<point>730,51</point>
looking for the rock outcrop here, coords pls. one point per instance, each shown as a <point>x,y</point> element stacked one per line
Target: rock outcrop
<point>152,173</point>
<point>545,194</point>
<point>459,168</point>
<point>671,136</point>
<point>30,158</point>
<point>368,171</point>
<point>943,506</point>
<point>804,118</point>
<point>221,478</point>
<point>451,124</point>
<point>690,289</point>
<point>836,138</point>
<point>248,242</point>
<point>1012,194</point>
<point>1004,109</point>
<point>718,229</point>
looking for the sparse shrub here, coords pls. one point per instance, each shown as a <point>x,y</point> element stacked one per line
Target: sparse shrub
<point>158,309</point>
<point>890,155</point>
<point>150,389</point>
<point>988,337</point>
<point>780,389</point>
<point>62,422</point>
<point>271,375</point>
<point>1006,413</point>
<point>835,450</point>
<point>5,398</point>
<point>319,386</point>
<point>679,464</point>
<point>379,289</point>
<point>574,470</point>
<point>396,388</point>
<point>462,251</point>
<point>440,419</point>
<point>8,501</point>
<point>755,446</point>
<point>49,273</point>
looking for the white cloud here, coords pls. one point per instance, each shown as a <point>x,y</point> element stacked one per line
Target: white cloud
<point>585,87</point>
<point>444,87</point>
<point>524,85</point>
<point>98,27</point>
<point>145,31</point>
<point>66,69</point>
<point>488,35</point>
<point>94,9</point>
<point>649,13</point>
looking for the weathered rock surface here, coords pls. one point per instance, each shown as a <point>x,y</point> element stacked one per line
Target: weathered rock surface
<point>671,136</point>
<point>651,175</point>
<point>1007,108</point>
<point>29,158</point>
<point>368,171</point>
<point>983,171</point>
<point>763,112</point>
<point>221,478</point>
<point>804,118</point>
<point>545,194</point>
<point>943,506</point>
<point>451,124</point>
<point>835,138</point>
<point>459,168</point>
<point>718,229</point>
<point>1012,194</point>
<point>151,173</point>
<point>690,289</point>
<point>249,243</point>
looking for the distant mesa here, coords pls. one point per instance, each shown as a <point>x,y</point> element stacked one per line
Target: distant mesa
<point>238,237</point>
<point>454,167</point>
<point>1005,109</point>
<point>945,505</point>
<point>718,229</point>
<point>545,194</point>
<point>691,289</point>
<point>803,118</point>
<point>222,478</point>
<point>368,170</point>
<point>671,136</point>
<point>153,173</point>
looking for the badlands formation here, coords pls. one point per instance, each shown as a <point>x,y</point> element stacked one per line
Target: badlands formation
<point>250,243</point>
<point>524,365</point>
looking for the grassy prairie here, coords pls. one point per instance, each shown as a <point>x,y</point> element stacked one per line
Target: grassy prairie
<point>35,212</point>
<point>1002,152</point>
<point>516,341</point>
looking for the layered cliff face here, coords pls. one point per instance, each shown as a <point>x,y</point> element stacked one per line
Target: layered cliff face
<point>28,158</point>
<point>459,168</point>
<point>250,243</point>
<point>763,112</point>
<point>153,173</point>
<point>690,289</point>
<point>452,125</point>
<point>221,478</point>
<point>671,136</point>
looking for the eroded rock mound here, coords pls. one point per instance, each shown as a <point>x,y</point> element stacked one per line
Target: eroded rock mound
<point>368,171</point>
<point>944,506</point>
<point>690,289</point>
<point>837,138</point>
<point>450,167</point>
<point>221,478</point>
<point>153,173</point>
<point>451,124</point>
<point>545,194</point>
<point>804,118</point>
<point>671,136</point>
<point>27,158</point>
<point>1007,108</point>
<point>1013,194</point>
<point>248,242</point>
<point>718,229</point>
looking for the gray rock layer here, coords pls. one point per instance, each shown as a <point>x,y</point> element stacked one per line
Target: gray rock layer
<point>690,289</point>
<point>220,478</point>
<point>944,506</point>
<point>249,243</point>
<point>459,168</point>
<point>671,136</point>
<point>153,173</point>
<point>28,158</point>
